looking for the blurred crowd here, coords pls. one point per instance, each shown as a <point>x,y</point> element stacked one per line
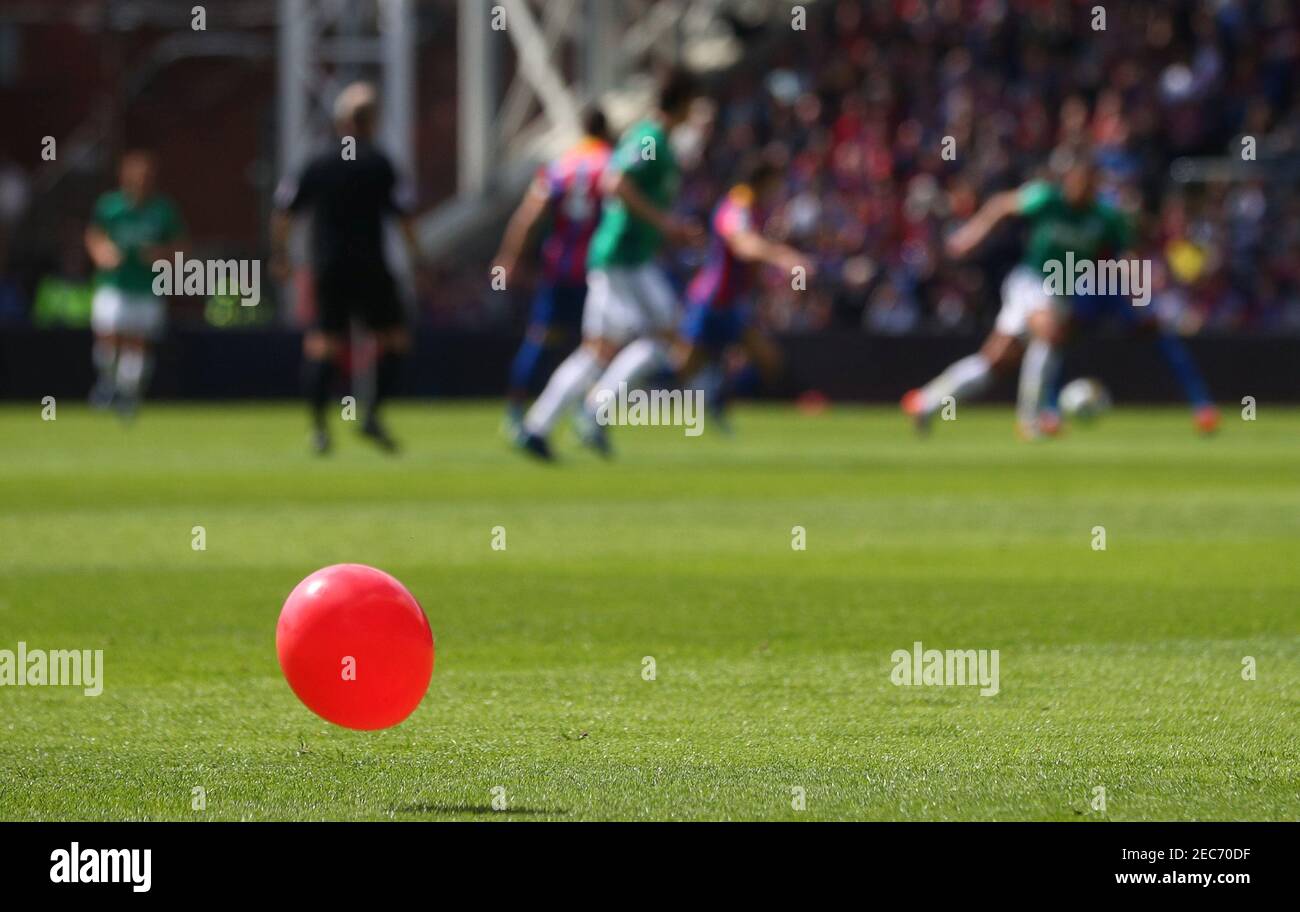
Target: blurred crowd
<point>895,119</point>
<point>898,118</point>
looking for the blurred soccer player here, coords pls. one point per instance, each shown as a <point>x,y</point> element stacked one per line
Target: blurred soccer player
<point>628,296</point>
<point>718,314</point>
<point>568,191</point>
<point>1064,220</point>
<point>1030,325</point>
<point>349,197</point>
<point>131,228</point>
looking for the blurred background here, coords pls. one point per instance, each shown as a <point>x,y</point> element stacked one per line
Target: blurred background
<point>855,96</point>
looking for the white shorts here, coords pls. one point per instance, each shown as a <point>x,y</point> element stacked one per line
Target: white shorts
<point>1023,294</point>
<point>628,303</point>
<point>121,313</point>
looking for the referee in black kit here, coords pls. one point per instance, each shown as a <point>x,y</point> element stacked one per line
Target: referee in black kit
<point>349,190</point>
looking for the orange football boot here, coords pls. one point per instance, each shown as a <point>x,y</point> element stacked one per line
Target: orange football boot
<point>1207,420</point>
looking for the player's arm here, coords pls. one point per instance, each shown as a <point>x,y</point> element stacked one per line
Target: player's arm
<point>752,247</point>
<point>415,254</point>
<point>401,204</point>
<point>521,227</point>
<point>288,201</point>
<point>677,230</point>
<point>411,238</point>
<point>999,207</point>
<point>292,197</point>
<point>103,252</point>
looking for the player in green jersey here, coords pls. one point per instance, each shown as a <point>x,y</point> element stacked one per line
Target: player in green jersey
<point>130,229</point>
<point>628,297</point>
<point>1068,224</point>
<point>1030,328</point>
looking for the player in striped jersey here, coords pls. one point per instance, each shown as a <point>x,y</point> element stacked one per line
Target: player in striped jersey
<point>631,308</point>
<point>568,191</point>
<point>720,296</point>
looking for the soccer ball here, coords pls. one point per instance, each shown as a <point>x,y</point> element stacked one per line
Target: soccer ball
<point>1084,399</point>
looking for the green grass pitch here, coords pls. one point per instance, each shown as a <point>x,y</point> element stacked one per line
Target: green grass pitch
<point>1119,669</point>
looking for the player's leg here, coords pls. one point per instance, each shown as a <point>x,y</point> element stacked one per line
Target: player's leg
<point>321,346</point>
<point>554,324</point>
<point>105,315</point>
<point>576,374</point>
<point>1039,371</point>
<point>565,389</point>
<point>965,379</point>
<point>764,355</point>
<point>320,351</point>
<point>524,368</point>
<point>690,357</point>
<point>711,333</point>
<point>971,377</point>
<point>134,360</point>
<point>139,324</point>
<point>639,359</point>
<point>527,362</point>
<point>103,355</point>
<point>1146,323</point>
<point>382,311</point>
<point>392,347</point>
<point>646,312</point>
<point>760,366</point>
<point>698,344</point>
<point>1175,354</point>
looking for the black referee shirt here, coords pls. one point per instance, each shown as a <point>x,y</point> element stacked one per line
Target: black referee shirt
<point>348,201</point>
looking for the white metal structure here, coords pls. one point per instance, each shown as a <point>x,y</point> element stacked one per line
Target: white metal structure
<point>324,45</point>
<point>603,41</point>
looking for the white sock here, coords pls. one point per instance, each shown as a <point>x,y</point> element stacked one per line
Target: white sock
<point>567,385</point>
<point>633,364</point>
<point>1041,362</point>
<point>964,379</point>
<point>132,369</point>
<point>103,354</point>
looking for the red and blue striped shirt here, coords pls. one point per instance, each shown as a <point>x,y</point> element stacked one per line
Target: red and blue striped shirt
<point>724,277</point>
<point>572,183</point>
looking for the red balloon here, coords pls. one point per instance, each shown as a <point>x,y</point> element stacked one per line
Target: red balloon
<point>355,646</point>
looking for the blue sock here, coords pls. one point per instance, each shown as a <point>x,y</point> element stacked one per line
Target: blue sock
<point>1180,362</point>
<point>523,370</point>
<point>746,381</point>
<point>711,380</point>
<point>1052,394</point>
<point>1052,389</point>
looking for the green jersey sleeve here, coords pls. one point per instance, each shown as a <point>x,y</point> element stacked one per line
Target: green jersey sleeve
<point>638,153</point>
<point>1035,196</point>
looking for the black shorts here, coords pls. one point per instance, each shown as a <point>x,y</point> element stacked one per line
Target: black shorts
<point>366,295</point>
